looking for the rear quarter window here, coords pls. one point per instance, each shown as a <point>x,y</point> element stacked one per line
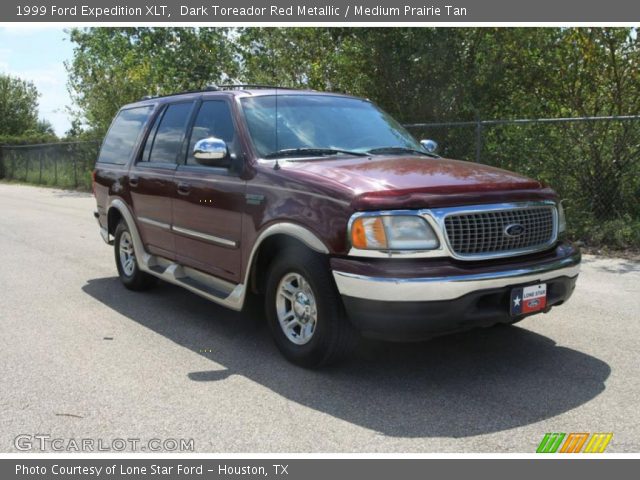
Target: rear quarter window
<point>123,135</point>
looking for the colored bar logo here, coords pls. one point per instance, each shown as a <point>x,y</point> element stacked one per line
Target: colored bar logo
<point>574,443</point>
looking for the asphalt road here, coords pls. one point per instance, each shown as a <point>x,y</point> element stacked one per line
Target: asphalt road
<point>82,357</point>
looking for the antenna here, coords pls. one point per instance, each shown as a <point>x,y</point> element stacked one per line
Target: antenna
<point>276,166</point>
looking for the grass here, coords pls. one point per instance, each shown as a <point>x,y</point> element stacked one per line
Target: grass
<point>64,164</point>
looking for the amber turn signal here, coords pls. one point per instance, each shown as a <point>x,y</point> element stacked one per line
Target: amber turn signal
<point>368,232</point>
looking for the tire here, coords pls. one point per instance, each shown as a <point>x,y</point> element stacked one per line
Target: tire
<point>300,291</point>
<point>126,262</point>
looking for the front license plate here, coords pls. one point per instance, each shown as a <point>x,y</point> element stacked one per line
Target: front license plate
<point>529,299</point>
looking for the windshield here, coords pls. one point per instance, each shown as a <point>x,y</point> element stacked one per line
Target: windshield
<point>321,122</point>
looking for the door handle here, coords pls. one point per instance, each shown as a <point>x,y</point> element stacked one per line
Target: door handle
<point>133,181</point>
<point>184,188</point>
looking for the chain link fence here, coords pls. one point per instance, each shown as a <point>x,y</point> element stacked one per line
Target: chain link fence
<point>592,162</point>
<point>63,164</point>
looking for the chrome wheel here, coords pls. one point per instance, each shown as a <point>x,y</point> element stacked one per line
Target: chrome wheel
<point>296,308</point>
<point>127,255</point>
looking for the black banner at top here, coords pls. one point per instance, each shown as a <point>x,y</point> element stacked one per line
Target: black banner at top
<point>319,11</point>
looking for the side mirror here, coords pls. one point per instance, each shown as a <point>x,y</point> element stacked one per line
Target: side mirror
<point>429,146</point>
<point>212,152</point>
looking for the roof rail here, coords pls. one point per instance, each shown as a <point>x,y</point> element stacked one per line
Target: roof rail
<point>252,86</point>
<point>214,88</point>
<point>208,88</point>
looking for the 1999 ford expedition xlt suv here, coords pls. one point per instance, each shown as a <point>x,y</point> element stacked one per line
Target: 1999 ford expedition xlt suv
<point>329,209</point>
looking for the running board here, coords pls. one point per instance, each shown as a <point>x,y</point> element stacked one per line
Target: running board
<point>212,288</point>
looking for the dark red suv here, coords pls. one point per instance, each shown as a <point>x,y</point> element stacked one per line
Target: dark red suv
<point>332,211</point>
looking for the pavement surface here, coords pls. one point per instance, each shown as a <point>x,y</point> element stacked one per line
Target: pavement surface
<point>81,357</point>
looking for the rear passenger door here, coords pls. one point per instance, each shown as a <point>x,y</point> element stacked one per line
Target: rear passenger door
<point>120,144</point>
<point>151,180</point>
<point>207,211</point>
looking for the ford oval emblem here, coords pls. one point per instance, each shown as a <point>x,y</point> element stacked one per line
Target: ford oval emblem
<point>514,230</point>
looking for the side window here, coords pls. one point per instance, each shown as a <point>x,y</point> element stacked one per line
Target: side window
<point>123,135</point>
<point>213,120</point>
<point>152,134</point>
<point>166,138</point>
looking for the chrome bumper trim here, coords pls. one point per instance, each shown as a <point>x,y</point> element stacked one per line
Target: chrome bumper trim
<point>448,288</point>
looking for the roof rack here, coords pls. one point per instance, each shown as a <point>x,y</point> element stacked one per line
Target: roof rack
<point>252,86</point>
<point>215,88</point>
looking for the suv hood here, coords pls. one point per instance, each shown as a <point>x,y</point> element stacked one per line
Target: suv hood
<point>410,174</point>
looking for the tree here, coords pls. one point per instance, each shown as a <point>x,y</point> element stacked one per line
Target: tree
<point>600,75</point>
<point>75,131</point>
<point>316,58</point>
<point>18,106</point>
<point>115,66</point>
<point>44,127</point>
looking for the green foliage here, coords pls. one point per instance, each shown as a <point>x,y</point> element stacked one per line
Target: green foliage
<point>61,164</point>
<point>115,66</point>
<point>31,138</point>
<point>45,128</point>
<point>18,106</point>
<point>620,233</point>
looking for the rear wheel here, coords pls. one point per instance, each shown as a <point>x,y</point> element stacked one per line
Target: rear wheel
<point>305,312</point>
<point>130,274</point>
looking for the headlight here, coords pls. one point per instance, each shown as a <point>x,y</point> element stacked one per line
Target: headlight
<point>392,232</point>
<point>562,222</point>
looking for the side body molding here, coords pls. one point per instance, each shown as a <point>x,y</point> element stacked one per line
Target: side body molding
<point>207,286</point>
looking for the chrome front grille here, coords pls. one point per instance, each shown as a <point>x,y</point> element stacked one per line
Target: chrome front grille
<point>486,233</point>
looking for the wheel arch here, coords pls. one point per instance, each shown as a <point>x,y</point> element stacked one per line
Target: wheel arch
<point>118,210</point>
<point>273,240</point>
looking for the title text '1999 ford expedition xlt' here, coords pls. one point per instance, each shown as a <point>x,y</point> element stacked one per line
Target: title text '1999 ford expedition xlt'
<point>332,211</point>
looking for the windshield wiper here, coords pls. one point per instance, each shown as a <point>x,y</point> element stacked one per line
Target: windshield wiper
<point>383,150</point>
<point>311,152</point>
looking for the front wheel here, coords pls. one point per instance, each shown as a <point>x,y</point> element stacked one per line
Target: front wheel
<point>305,312</point>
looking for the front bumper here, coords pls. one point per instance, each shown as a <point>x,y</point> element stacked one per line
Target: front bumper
<point>452,298</point>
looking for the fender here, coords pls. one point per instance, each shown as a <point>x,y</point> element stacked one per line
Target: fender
<point>294,230</point>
